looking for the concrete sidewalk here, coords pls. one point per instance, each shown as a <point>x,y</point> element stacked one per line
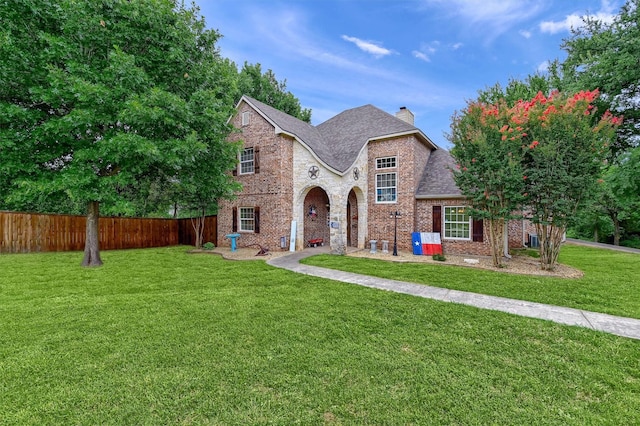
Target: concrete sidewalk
<point>621,326</point>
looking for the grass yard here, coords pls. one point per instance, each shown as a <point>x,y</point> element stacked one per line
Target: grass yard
<point>611,282</point>
<point>158,336</point>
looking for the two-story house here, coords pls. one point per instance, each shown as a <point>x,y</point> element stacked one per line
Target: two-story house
<point>343,181</point>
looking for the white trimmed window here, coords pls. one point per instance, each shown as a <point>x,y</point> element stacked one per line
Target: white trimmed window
<point>386,162</point>
<point>457,223</point>
<point>247,161</point>
<point>246,117</point>
<point>247,219</point>
<point>386,188</point>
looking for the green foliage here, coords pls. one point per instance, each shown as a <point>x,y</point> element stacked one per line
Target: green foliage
<point>605,56</point>
<point>208,246</point>
<point>489,167</point>
<point>104,101</point>
<point>542,155</point>
<point>266,88</point>
<point>439,257</point>
<point>161,337</point>
<point>633,241</point>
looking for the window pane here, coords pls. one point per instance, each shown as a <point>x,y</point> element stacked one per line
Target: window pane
<point>246,219</point>
<point>246,161</point>
<point>457,223</point>
<point>385,162</point>
<point>386,187</point>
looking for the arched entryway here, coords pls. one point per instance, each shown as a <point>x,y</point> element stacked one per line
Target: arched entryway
<point>316,216</point>
<point>352,219</point>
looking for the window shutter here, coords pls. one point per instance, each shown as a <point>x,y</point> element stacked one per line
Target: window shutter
<point>437,219</point>
<point>256,220</point>
<point>256,160</point>
<point>478,230</point>
<point>234,220</point>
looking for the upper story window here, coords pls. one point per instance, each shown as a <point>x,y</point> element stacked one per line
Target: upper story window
<point>457,223</point>
<point>246,117</point>
<point>386,188</point>
<point>247,163</point>
<point>386,162</point>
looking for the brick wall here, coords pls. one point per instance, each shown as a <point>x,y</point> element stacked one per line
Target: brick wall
<point>424,217</point>
<point>412,157</point>
<point>270,189</point>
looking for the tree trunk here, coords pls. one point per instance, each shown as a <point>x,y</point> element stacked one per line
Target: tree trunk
<point>198,229</point>
<point>496,239</point>
<point>91,245</point>
<point>616,231</point>
<point>550,240</point>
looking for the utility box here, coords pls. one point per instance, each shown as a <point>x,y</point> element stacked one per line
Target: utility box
<point>533,241</point>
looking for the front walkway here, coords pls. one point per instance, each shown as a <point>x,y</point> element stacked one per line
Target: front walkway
<point>625,327</point>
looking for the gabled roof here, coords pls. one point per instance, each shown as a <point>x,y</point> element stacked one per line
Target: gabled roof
<point>338,141</point>
<point>437,181</point>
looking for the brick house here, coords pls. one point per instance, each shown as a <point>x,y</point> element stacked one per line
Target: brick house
<point>342,181</point>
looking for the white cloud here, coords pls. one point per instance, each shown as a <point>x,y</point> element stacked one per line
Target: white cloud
<point>421,55</point>
<point>368,46</point>
<point>491,10</point>
<point>426,51</point>
<point>543,67</point>
<point>488,19</point>
<point>457,46</point>
<point>575,20</point>
<point>525,33</point>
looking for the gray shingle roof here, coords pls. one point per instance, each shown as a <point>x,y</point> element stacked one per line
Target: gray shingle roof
<point>338,141</point>
<point>437,180</point>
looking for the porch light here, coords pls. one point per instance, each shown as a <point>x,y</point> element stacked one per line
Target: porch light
<point>395,215</point>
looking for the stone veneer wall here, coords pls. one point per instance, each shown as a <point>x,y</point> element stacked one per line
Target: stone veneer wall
<point>270,189</point>
<point>337,187</point>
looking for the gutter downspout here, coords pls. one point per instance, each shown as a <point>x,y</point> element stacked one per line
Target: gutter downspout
<point>505,232</point>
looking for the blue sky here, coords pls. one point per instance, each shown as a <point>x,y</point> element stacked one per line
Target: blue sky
<point>430,56</point>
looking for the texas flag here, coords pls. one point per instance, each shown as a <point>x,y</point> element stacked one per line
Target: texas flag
<point>426,243</point>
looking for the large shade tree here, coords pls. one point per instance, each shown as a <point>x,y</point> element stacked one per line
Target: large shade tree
<point>99,98</point>
<point>606,56</point>
<point>265,87</point>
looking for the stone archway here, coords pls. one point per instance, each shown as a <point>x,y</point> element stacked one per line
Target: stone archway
<point>316,216</point>
<point>352,219</point>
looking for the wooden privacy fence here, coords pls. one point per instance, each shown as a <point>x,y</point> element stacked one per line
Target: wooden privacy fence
<point>30,232</point>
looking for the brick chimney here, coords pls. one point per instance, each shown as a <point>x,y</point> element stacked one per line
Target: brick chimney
<point>405,115</point>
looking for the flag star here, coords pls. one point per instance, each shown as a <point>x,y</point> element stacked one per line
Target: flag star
<point>417,243</point>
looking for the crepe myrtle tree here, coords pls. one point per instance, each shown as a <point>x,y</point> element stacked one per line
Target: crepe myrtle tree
<point>543,155</point>
<point>489,166</point>
<point>564,152</point>
<point>99,97</point>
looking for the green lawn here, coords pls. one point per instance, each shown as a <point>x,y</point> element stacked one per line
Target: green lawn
<point>158,336</point>
<point>611,282</point>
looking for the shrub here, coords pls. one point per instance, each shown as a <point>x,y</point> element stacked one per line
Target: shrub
<point>439,257</point>
<point>208,246</point>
